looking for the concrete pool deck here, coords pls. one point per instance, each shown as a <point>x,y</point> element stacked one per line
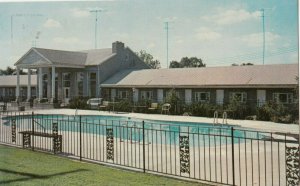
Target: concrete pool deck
<point>250,124</point>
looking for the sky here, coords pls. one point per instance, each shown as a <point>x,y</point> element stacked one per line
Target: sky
<point>219,32</point>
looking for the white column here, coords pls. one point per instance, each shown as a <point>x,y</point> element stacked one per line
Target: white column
<point>135,94</point>
<point>29,85</point>
<point>113,94</point>
<point>160,95</point>
<point>40,83</point>
<point>261,97</point>
<point>220,97</point>
<point>18,84</point>
<point>53,84</point>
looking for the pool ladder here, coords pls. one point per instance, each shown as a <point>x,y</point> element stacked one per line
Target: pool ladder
<point>224,116</point>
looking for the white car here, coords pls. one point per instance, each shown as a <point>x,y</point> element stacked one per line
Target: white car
<point>94,103</point>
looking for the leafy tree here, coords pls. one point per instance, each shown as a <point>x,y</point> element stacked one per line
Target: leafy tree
<point>149,59</point>
<point>175,64</point>
<point>246,64</point>
<point>185,62</point>
<point>11,71</point>
<point>8,71</point>
<point>243,64</point>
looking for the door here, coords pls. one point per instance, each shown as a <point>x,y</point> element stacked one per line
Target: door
<point>66,94</point>
<point>261,97</point>
<point>220,97</point>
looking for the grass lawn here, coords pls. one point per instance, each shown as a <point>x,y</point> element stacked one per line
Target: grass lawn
<point>24,167</point>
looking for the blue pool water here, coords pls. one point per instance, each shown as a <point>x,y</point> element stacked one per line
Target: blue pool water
<point>125,128</point>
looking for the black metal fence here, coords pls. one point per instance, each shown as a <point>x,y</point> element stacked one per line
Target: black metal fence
<point>220,154</point>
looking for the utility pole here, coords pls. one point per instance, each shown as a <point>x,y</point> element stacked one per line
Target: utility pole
<point>96,23</point>
<point>167,32</point>
<point>11,29</point>
<point>264,38</point>
<point>37,36</point>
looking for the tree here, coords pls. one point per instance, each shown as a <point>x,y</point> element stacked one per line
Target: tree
<point>243,64</point>
<point>175,64</point>
<point>148,59</point>
<point>8,71</point>
<point>186,62</point>
<point>246,64</point>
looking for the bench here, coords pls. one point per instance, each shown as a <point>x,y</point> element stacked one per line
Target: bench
<point>57,139</point>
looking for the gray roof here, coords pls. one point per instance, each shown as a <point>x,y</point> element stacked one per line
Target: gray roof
<point>283,75</point>
<point>11,80</point>
<point>98,56</point>
<point>63,57</point>
<point>75,58</point>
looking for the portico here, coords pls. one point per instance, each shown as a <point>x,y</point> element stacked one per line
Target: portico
<point>62,75</point>
<point>55,79</point>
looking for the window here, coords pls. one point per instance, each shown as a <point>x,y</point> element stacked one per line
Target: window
<point>283,97</point>
<point>66,79</point>
<point>123,94</point>
<point>239,96</point>
<point>202,96</point>
<point>146,95</point>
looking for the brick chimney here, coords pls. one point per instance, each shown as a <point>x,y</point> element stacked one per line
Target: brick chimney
<point>117,47</point>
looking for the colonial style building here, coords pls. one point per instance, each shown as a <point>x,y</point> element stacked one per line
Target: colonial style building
<point>118,73</point>
<point>67,74</point>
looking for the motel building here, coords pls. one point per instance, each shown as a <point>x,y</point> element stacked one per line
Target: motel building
<point>118,73</point>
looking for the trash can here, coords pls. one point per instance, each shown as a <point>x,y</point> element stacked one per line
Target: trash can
<point>21,108</point>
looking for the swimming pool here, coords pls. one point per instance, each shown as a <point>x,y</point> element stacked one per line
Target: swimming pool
<point>134,129</point>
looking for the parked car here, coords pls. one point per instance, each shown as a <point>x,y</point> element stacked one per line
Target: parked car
<point>94,103</point>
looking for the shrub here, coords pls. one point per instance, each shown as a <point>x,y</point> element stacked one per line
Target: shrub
<point>200,109</point>
<point>56,103</point>
<point>277,113</point>
<point>238,109</point>
<point>172,99</point>
<point>78,103</point>
<point>123,106</point>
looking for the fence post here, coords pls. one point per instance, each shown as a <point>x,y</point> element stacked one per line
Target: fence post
<point>232,155</point>
<point>144,164</point>
<point>80,141</point>
<point>32,128</point>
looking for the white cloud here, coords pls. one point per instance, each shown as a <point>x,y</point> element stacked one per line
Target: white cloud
<point>255,39</point>
<point>80,12</point>
<point>229,17</point>
<point>66,40</point>
<point>151,45</point>
<point>206,34</point>
<point>179,41</point>
<point>51,23</point>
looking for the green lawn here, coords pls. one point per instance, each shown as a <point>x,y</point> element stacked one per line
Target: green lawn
<point>24,167</point>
